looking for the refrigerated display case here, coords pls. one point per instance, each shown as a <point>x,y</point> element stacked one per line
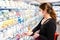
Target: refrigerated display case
<point>56,6</point>
<point>16,17</point>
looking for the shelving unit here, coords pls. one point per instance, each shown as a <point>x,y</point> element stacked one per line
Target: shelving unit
<point>15,18</point>
<point>56,6</point>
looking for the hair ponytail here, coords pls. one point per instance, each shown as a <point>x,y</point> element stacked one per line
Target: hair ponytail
<point>52,14</point>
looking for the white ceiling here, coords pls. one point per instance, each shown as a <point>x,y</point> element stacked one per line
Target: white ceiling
<point>41,1</point>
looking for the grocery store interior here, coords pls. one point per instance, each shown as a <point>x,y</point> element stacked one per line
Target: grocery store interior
<point>18,16</point>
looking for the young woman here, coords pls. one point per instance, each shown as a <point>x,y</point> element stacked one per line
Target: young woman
<point>47,25</point>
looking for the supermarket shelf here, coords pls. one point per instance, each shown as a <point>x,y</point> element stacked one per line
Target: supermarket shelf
<point>12,9</point>
<point>56,3</point>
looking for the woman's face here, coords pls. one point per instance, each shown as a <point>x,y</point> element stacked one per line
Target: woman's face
<point>43,12</point>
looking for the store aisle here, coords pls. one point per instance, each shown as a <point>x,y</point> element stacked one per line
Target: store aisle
<point>58,30</point>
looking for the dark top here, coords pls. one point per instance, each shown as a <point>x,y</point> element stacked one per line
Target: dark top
<point>47,30</point>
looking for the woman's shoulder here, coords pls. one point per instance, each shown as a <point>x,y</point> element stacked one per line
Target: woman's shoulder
<point>52,20</point>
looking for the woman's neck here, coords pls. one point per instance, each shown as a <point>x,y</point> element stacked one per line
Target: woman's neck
<point>47,16</point>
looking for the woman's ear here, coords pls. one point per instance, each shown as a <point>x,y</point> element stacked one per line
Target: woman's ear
<point>49,10</point>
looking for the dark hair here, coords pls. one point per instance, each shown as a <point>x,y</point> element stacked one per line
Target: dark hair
<point>49,9</point>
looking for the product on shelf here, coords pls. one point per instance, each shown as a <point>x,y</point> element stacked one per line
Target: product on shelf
<point>20,20</point>
<point>17,17</point>
<point>8,22</point>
